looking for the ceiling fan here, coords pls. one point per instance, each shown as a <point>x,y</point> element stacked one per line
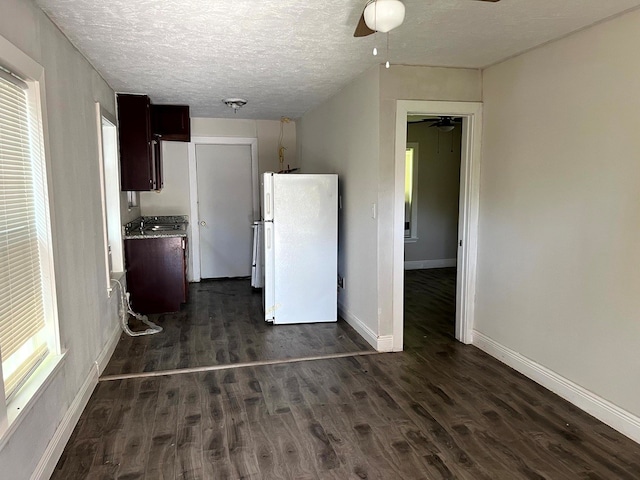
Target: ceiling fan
<point>383,16</point>
<point>444,123</point>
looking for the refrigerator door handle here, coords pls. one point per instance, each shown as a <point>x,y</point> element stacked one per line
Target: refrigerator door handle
<point>269,278</point>
<point>268,204</point>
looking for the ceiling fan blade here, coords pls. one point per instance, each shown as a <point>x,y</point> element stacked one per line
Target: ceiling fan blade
<point>361,29</point>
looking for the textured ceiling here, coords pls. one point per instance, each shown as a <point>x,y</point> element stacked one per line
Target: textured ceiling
<point>286,56</point>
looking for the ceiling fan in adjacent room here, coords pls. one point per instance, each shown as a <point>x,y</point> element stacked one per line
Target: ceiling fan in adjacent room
<point>443,123</point>
<point>383,16</point>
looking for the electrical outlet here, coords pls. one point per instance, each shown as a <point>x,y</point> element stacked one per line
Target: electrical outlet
<point>340,282</point>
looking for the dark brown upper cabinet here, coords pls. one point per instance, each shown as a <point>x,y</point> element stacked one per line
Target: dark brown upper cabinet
<point>140,152</point>
<point>171,122</point>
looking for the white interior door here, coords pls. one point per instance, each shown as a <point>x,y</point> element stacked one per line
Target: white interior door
<point>225,210</point>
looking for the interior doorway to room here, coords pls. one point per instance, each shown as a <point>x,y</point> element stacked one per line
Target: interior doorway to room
<point>432,192</point>
<point>467,117</point>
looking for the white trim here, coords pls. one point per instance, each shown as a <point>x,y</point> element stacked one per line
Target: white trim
<point>385,343</point>
<point>471,112</point>
<point>382,343</point>
<point>621,420</point>
<point>21,404</point>
<point>113,253</point>
<point>52,454</point>
<point>106,353</point>
<point>425,264</point>
<point>194,224</point>
<point>23,65</point>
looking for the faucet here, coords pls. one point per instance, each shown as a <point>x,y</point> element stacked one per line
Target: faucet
<point>142,224</point>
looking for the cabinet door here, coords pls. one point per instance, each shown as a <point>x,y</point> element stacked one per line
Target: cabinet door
<point>171,122</point>
<point>138,168</point>
<point>155,274</point>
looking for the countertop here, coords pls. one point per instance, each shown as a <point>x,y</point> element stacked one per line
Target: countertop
<point>133,231</point>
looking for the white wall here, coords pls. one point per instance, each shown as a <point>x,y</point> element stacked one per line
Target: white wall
<point>353,134</point>
<point>88,318</point>
<point>559,238</point>
<point>438,193</point>
<point>341,136</point>
<point>173,199</point>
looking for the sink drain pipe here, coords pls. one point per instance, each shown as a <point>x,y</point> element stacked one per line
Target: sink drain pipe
<point>125,310</point>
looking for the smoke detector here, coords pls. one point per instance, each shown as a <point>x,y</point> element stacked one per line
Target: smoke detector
<point>234,103</point>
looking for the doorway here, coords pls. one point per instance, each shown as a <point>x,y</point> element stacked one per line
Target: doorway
<point>432,192</point>
<point>471,115</point>
<point>223,178</point>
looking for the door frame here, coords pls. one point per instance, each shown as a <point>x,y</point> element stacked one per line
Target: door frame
<point>471,149</point>
<point>194,223</point>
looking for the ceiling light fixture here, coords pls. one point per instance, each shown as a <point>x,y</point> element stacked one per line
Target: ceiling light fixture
<point>384,15</point>
<point>234,103</point>
<point>445,128</point>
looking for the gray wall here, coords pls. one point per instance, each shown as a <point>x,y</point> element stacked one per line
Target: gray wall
<point>87,316</point>
<point>408,83</point>
<point>438,192</point>
<point>353,134</point>
<point>341,136</point>
<point>558,257</point>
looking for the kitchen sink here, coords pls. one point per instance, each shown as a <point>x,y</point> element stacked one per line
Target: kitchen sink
<point>163,228</point>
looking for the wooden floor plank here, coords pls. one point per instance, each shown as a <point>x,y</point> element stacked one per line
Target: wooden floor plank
<point>223,324</point>
<point>438,410</point>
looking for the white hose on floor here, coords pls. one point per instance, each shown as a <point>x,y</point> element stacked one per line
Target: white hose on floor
<point>125,310</point>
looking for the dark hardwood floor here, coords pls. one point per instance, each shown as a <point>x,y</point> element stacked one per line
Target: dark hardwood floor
<point>439,410</point>
<point>222,324</point>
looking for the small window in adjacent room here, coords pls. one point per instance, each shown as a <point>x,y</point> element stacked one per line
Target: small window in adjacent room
<point>29,340</point>
<point>110,189</point>
<point>411,193</point>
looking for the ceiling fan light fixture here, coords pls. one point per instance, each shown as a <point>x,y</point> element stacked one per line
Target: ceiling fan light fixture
<point>234,103</point>
<point>384,15</point>
<point>445,128</point>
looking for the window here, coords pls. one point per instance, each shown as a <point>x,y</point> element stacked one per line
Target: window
<point>411,193</point>
<point>110,189</point>
<point>28,319</point>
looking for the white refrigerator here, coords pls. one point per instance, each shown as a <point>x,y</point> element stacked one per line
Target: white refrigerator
<point>300,214</point>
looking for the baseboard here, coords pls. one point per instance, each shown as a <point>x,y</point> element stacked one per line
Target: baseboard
<point>621,420</point>
<point>423,264</point>
<point>52,454</point>
<point>107,351</point>
<point>383,343</point>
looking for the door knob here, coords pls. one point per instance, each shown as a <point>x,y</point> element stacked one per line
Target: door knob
<point>203,223</point>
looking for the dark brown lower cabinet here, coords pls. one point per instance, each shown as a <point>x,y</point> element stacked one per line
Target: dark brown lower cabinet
<point>156,273</point>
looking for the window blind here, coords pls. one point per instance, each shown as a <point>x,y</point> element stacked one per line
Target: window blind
<point>22,318</point>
